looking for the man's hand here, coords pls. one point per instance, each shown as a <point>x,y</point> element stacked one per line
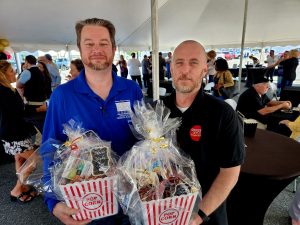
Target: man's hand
<point>42,108</point>
<point>196,220</point>
<point>218,86</point>
<point>290,104</point>
<point>64,213</point>
<point>285,122</point>
<point>286,105</point>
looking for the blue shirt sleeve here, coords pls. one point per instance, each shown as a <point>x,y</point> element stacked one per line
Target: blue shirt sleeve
<point>24,77</point>
<point>53,129</point>
<point>55,76</point>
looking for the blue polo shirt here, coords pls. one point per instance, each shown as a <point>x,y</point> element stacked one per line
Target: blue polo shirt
<point>108,118</point>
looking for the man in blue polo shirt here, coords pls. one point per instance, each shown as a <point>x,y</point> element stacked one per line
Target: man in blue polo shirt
<point>97,98</point>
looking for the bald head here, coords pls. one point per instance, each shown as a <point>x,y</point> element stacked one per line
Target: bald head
<point>191,44</point>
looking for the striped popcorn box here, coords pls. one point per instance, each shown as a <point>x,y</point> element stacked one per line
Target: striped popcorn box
<point>170,211</point>
<point>94,198</point>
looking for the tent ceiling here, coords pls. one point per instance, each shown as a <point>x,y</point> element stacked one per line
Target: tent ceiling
<point>45,25</point>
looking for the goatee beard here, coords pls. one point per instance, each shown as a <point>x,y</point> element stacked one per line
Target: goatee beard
<point>99,67</point>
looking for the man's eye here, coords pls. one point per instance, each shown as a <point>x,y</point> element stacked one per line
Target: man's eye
<point>89,44</point>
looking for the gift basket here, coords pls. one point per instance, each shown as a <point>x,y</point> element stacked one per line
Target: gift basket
<point>81,173</point>
<point>157,184</point>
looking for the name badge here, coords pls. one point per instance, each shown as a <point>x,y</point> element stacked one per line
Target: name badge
<point>123,109</point>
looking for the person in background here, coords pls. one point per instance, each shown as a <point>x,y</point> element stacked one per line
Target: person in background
<point>145,71</point>
<point>224,84</point>
<point>211,58</point>
<point>289,69</point>
<point>123,66</point>
<point>161,66</point>
<point>48,90</point>
<point>76,66</point>
<point>271,60</point>
<point>168,65</point>
<point>32,82</point>
<point>254,60</point>
<point>210,132</point>
<point>284,56</point>
<point>52,68</point>
<point>16,135</point>
<point>98,99</point>
<point>114,68</point>
<point>294,127</point>
<point>3,56</point>
<point>255,104</point>
<point>134,70</point>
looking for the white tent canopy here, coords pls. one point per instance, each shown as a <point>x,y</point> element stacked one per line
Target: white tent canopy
<point>49,25</point>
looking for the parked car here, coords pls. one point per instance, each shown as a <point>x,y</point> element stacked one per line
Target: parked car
<point>62,63</point>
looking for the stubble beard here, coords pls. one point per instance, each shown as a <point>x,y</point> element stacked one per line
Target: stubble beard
<point>98,66</point>
<point>186,89</point>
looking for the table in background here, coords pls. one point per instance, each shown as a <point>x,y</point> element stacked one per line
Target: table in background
<point>272,162</point>
<point>235,72</point>
<point>274,119</point>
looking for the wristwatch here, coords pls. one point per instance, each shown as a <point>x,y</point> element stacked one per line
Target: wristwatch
<point>203,216</point>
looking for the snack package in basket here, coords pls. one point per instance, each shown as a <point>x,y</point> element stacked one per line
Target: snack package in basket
<point>157,184</point>
<point>82,173</point>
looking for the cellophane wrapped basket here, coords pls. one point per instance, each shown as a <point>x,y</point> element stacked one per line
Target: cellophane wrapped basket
<point>157,184</point>
<point>82,173</point>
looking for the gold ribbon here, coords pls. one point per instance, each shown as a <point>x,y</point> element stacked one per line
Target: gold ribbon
<point>163,145</point>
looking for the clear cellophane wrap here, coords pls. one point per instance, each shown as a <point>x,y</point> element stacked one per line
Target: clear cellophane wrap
<point>157,183</point>
<point>81,172</point>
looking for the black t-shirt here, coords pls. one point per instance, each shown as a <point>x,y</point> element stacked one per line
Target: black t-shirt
<point>289,68</point>
<point>211,134</point>
<point>12,124</point>
<point>250,102</point>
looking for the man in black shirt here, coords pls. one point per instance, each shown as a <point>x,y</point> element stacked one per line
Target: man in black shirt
<point>255,104</point>
<point>210,132</point>
<point>32,82</point>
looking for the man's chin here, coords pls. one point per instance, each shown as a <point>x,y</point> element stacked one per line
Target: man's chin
<point>184,89</point>
<point>99,67</point>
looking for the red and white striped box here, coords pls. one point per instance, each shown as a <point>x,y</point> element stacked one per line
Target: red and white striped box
<point>94,198</point>
<point>170,211</point>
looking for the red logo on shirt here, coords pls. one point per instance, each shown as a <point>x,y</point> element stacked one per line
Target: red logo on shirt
<point>195,133</point>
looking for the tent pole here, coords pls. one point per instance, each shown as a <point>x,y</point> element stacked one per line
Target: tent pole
<point>243,43</point>
<point>17,58</point>
<point>154,33</point>
<point>68,51</point>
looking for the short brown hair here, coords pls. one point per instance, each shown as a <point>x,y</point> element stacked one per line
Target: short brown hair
<point>98,22</point>
<point>294,53</point>
<point>78,64</point>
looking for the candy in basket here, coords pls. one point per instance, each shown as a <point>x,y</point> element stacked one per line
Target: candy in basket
<point>82,173</point>
<point>157,184</point>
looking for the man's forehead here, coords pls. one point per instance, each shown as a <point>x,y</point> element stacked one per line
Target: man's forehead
<point>93,30</point>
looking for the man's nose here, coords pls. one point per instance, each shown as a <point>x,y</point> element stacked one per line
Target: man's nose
<point>185,68</point>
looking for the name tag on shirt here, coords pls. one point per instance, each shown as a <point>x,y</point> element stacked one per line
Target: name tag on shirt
<point>123,109</point>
